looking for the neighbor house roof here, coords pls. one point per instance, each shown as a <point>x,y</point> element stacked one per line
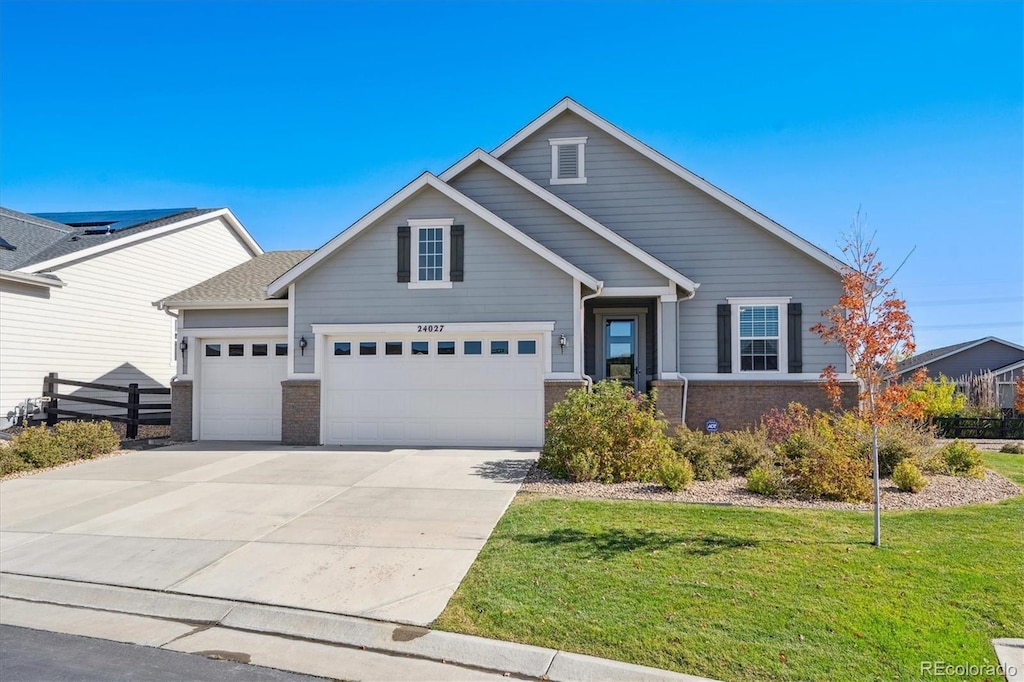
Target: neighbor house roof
<point>756,217</point>
<point>25,236</point>
<point>922,359</point>
<point>242,284</point>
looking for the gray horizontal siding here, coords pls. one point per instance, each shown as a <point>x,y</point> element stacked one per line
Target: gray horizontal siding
<point>693,233</point>
<point>555,230</point>
<point>249,317</point>
<point>504,282</point>
<point>982,358</point>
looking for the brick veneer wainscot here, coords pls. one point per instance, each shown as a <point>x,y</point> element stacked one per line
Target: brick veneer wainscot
<point>181,411</point>
<point>300,412</point>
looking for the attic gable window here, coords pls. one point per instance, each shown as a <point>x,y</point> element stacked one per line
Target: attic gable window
<point>568,160</point>
<point>431,253</point>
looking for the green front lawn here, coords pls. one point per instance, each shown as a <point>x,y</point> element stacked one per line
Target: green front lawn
<point>752,594</point>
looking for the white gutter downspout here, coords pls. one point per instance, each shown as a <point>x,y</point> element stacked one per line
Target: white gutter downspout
<point>583,325</point>
<point>686,382</point>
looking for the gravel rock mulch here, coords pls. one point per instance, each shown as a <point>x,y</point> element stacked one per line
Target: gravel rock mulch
<point>941,491</point>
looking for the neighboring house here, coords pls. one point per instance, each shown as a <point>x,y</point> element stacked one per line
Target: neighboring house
<point>459,310</point>
<point>960,361</point>
<point>77,292</point>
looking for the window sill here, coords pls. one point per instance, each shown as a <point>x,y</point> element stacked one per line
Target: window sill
<point>430,285</point>
<point>568,181</point>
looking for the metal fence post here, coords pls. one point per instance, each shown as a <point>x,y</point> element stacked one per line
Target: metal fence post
<point>132,427</point>
<point>49,390</point>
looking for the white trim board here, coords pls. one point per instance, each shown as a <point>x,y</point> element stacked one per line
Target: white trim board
<point>224,213</point>
<point>759,219</point>
<point>961,349</point>
<point>233,332</point>
<point>765,377</point>
<point>479,155</point>
<point>222,305</point>
<point>1008,368</point>
<point>449,328</point>
<point>30,279</point>
<point>427,180</point>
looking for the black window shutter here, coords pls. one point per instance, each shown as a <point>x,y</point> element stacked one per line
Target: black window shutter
<point>458,252</point>
<point>793,333</point>
<point>724,338</point>
<point>404,252</point>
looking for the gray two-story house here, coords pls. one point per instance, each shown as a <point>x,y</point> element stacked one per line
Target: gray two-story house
<point>460,309</point>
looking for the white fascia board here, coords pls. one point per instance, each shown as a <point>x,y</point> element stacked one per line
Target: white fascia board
<point>479,155</point>
<point>224,213</point>
<point>222,305</point>
<point>427,180</point>
<point>628,292</point>
<point>951,353</point>
<point>805,377</point>
<point>449,328</point>
<point>668,164</point>
<point>1008,368</point>
<point>233,332</point>
<point>30,279</point>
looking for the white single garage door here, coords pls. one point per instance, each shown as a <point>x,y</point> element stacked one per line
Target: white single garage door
<point>240,388</point>
<point>471,390</point>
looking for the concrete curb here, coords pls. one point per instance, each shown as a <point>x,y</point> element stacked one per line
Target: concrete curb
<point>519,660</point>
<point>1010,653</point>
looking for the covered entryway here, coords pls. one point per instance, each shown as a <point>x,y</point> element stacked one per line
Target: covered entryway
<point>435,388</point>
<point>240,388</point>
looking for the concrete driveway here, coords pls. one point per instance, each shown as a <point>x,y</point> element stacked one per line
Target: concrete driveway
<point>385,534</point>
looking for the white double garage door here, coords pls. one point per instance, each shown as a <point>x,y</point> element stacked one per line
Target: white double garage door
<point>427,389</point>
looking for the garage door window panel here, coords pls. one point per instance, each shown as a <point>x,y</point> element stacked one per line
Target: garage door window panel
<point>280,349</point>
<point>393,348</point>
<point>236,350</point>
<point>446,348</point>
<point>213,350</point>
<point>343,348</point>
<point>526,347</point>
<point>367,347</point>
<point>499,347</point>
<point>472,348</point>
<point>420,347</point>
<point>259,350</point>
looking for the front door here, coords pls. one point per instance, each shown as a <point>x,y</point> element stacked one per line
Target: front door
<point>621,354</point>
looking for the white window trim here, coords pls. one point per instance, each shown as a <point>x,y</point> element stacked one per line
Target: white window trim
<point>415,226</point>
<point>778,301</point>
<point>581,157</point>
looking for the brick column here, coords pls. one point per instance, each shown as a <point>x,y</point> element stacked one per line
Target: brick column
<point>181,410</point>
<point>300,412</point>
<point>670,400</point>
<point>555,390</point>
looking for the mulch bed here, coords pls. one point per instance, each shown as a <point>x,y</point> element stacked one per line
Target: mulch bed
<point>941,491</point>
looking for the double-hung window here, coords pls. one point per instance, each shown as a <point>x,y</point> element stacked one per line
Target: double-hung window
<point>431,253</point>
<point>759,334</point>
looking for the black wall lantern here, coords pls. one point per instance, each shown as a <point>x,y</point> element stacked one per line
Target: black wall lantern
<point>562,342</point>
<point>302,344</point>
<point>183,345</point>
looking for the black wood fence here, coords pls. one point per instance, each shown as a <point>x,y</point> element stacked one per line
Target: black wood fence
<point>1005,427</point>
<point>133,406</point>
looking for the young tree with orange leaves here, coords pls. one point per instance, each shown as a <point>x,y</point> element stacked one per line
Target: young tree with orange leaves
<point>872,325</point>
<point>1018,398</point>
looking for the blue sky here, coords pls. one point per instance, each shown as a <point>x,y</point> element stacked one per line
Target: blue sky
<point>303,116</point>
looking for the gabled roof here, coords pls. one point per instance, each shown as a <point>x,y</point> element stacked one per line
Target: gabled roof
<point>245,283</point>
<point>49,244</point>
<point>480,156</point>
<point>1008,368</point>
<point>922,359</point>
<point>759,219</point>
<point>278,286</point>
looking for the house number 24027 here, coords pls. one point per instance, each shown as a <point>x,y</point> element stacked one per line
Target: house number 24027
<point>430,327</point>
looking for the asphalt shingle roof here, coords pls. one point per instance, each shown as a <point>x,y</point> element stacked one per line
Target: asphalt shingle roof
<point>243,283</point>
<point>28,235</point>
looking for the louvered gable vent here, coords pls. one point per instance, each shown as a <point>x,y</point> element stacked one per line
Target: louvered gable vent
<point>568,161</point>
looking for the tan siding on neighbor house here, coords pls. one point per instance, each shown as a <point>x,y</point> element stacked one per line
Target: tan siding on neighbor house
<point>101,326</point>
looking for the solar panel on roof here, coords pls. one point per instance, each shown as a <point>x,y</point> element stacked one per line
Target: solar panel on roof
<point>112,220</point>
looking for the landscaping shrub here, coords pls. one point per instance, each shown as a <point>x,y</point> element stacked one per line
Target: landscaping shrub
<point>779,424</point>
<point>38,448</point>
<point>963,459</point>
<point>899,440</point>
<point>10,462</point>
<point>748,450</point>
<point>765,480</point>
<point>85,440</point>
<point>706,452</point>
<point>939,397</point>
<point>675,474</point>
<point>1013,448</point>
<point>908,477</point>
<point>826,459</point>
<point>610,434</point>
